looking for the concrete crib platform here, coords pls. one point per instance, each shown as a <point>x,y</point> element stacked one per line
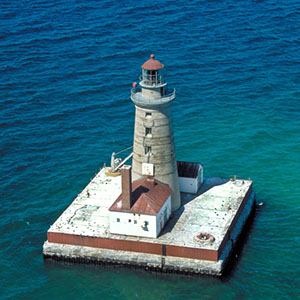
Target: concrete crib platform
<point>197,239</point>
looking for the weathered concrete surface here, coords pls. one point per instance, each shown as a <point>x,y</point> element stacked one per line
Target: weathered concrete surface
<point>220,208</point>
<point>212,211</point>
<point>141,260</point>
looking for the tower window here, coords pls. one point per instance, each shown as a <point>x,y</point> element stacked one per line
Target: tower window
<point>148,130</point>
<point>147,149</point>
<point>148,114</point>
<point>118,219</point>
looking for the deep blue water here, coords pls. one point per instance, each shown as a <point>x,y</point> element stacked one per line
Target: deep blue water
<point>66,69</point>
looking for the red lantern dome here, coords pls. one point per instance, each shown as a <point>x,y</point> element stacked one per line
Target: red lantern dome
<point>152,64</point>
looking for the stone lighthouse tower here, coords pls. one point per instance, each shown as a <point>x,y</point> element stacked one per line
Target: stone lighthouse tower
<point>153,147</point>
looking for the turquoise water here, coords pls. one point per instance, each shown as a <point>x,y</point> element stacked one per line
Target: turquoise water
<point>66,69</point>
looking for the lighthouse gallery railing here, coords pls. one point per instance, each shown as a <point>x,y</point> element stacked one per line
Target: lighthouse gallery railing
<point>137,96</point>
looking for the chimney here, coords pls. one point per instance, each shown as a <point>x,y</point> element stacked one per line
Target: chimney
<point>126,187</point>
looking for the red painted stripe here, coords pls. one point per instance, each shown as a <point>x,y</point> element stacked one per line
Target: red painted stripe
<point>134,246</point>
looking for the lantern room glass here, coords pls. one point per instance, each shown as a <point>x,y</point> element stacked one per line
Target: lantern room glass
<point>153,77</point>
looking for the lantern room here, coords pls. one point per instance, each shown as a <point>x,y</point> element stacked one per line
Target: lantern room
<point>152,72</point>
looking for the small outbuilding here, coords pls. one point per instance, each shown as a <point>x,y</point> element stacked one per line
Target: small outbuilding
<point>142,209</point>
<point>190,176</point>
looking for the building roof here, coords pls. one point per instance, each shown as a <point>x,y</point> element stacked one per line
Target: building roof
<point>149,195</point>
<point>152,64</point>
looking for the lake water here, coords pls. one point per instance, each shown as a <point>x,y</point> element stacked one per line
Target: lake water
<point>66,70</point>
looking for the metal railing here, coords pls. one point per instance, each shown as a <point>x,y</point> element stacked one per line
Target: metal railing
<point>137,96</point>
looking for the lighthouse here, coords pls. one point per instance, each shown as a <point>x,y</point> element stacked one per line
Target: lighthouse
<point>153,145</point>
<point>126,219</point>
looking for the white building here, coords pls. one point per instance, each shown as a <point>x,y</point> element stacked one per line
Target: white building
<point>142,209</point>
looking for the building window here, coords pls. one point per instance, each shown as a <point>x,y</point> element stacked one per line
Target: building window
<point>129,220</point>
<point>148,130</point>
<point>135,222</point>
<point>118,219</point>
<point>147,149</point>
<point>145,226</point>
<point>148,114</point>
